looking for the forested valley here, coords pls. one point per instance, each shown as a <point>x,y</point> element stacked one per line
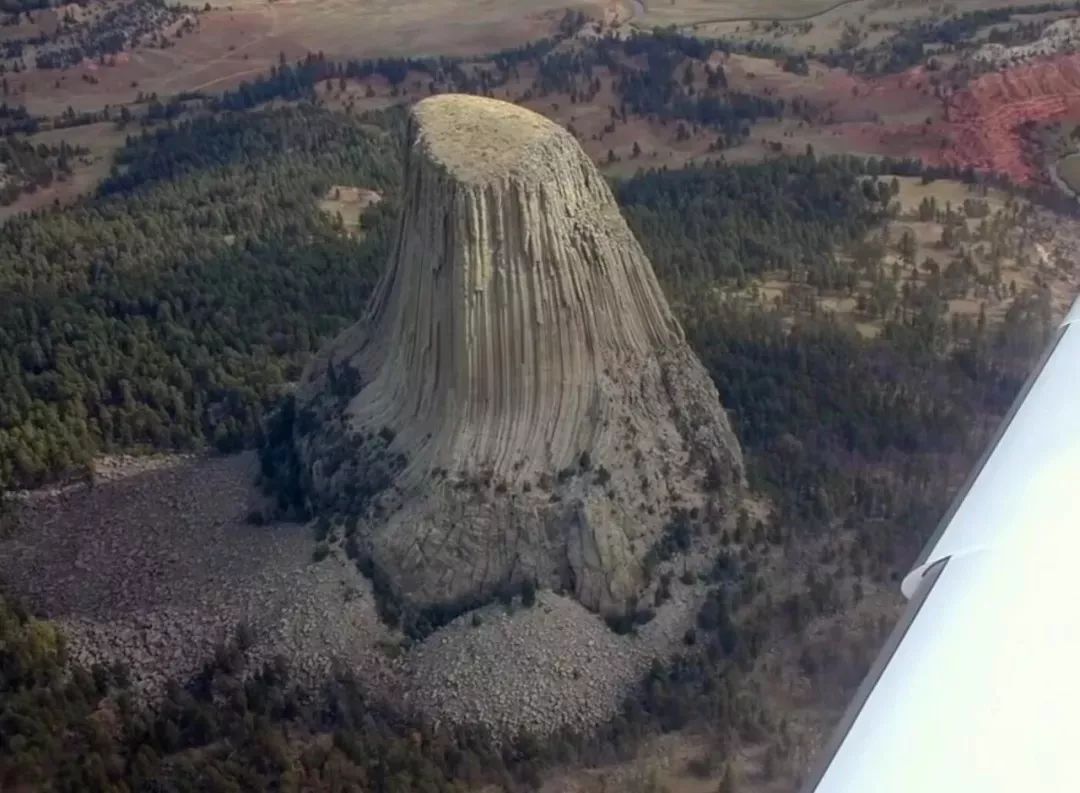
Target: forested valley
<point>170,310</point>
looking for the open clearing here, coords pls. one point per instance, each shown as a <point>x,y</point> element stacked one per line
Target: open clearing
<point>102,139</point>
<point>913,190</point>
<point>1030,248</point>
<point>349,204</point>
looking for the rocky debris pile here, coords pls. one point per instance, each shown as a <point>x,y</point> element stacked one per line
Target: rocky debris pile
<point>153,647</point>
<point>320,618</point>
<point>519,403</point>
<point>537,669</point>
<point>155,565</point>
<point>327,624</point>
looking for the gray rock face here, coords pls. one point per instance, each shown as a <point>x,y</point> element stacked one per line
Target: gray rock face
<point>519,401</point>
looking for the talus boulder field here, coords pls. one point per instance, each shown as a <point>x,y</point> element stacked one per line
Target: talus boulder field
<point>519,403</point>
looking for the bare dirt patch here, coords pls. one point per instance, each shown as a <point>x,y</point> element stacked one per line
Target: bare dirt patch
<point>985,124</point>
<point>348,204</point>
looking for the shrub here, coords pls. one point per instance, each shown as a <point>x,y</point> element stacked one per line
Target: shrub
<point>506,595</point>
<point>603,476</point>
<point>621,624</point>
<point>245,637</point>
<point>528,593</point>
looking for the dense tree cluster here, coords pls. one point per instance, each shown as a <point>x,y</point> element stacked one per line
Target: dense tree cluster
<point>168,310</point>
<point>298,80</point>
<point>716,221</point>
<point>27,167</point>
<point>15,118</point>
<point>827,416</point>
<point>665,87</point>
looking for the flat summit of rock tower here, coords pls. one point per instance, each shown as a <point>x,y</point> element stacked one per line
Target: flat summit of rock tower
<point>518,403</point>
<point>479,139</point>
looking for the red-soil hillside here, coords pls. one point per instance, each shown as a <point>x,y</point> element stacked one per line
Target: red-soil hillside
<point>989,115</point>
<point>984,125</point>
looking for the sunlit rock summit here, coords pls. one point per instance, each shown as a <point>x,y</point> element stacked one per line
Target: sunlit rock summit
<point>519,403</point>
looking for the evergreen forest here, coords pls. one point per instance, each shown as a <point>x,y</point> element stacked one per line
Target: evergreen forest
<point>171,310</point>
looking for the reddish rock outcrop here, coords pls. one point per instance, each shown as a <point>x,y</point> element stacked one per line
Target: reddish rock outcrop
<point>987,119</point>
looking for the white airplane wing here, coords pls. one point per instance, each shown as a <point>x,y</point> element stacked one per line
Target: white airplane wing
<point>978,687</point>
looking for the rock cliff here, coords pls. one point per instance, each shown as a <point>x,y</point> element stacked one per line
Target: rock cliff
<point>518,402</point>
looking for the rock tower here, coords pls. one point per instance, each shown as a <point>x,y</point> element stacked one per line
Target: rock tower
<point>519,403</point>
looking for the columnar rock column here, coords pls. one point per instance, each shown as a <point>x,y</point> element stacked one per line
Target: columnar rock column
<point>519,386</point>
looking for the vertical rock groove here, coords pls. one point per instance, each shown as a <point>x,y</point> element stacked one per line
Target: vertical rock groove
<point>522,357</point>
